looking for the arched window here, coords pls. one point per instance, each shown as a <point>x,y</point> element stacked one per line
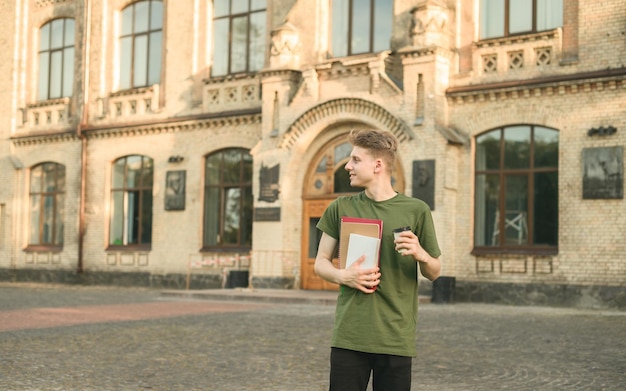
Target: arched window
<point>228,200</point>
<point>141,42</point>
<point>131,201</point>
<point>516,203</point>
<point>360,26</point>
<point>47,198</point>
<point>56,59</point>
<point>238,36</point>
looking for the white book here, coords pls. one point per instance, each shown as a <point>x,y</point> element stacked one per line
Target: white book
<point>362,245</point>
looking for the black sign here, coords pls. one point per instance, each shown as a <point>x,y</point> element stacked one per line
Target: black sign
<point>267,214</point>
<point>268,179</point>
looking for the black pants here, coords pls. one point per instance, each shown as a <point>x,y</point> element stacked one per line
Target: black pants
<point>350,371</point>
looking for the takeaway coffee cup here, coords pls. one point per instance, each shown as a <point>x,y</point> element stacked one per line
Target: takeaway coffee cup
<point>396,234</point>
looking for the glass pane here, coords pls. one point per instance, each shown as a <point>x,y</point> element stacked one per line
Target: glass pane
<point>47,228</point>
<point>520,16</point>
<point>69,32</point>
<point>34,219</point>
<point>49,177</point>
<point>127,20</point>
<point>239,45</point>
<point>232,167</point>
<point>488,151</point>
<point>58,229</point>
<point>546,147</point>
<point>220,48</point>
<point>517,147</point>
<point>44,37</point>
<point>341,182</point>
<point>68,72</point>
<point>238,6</point>
<point>56,67</point>
<point>35,179</point>
<point>132,217</point>
<point>116,229</point>
<point>361,26</point>
<point>383,23</point>
<point>56,34</point>
<point>147,172</point>
<point>126,57</point>
<point>339,33</point>
<point>549,14</point>
<point>154,76</point>
<point>257,5</point>
<point>140,57</point>
<point>44,68</point>
<point>246,217</point>
<point>220,8</point>
<point>247,168</point>
<point>491,18</point>
<point>546,213</point>
<point>232,215</point>
<point>315,236</point>
<point>342,152</point>
<point>213,169</point>
<point>156,15</point>
<point>118,174</point>
<point>516,212</point>
<point>146,217</point>
<point>60,178</point>
<point>486,232</point>
<point>257,41</point>
<point>142,17</point>
<point>212,203</point>
<point>133,175</point>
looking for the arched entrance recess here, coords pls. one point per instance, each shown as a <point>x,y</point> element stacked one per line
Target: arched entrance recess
<point>326,179</point>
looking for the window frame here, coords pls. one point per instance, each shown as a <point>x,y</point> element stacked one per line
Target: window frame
<point>507,24</point>
<point>49,52</point>
<point>503,173</point>
<point>143,190</point>
<point>58,207</point>
<point>129,69</point>
<point>222,187</point>
<point>373,27</point>
<point>231,16</point>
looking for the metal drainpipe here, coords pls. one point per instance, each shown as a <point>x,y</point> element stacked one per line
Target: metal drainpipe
<point>79,131</point>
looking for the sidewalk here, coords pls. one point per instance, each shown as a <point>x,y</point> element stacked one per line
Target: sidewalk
<point>285,296</point>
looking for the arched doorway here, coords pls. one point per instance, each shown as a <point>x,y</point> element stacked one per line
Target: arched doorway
<point>326,179</point>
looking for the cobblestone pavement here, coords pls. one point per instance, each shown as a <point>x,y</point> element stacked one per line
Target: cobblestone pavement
<point>118,339</point>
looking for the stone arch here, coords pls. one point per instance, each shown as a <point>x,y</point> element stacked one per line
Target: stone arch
<point>341,109</point>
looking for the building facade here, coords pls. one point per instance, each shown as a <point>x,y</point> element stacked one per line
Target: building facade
<point>195,144</point>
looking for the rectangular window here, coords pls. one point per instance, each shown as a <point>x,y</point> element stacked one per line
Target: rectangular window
<point>239,36</point>
<point>360,26</point>
<point>500,18</point>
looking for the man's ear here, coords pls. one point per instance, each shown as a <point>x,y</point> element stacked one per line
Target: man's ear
<point>378,166</point>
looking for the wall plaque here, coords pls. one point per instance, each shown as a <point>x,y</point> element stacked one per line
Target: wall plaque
<point>268,180</point>
<point>424,181</point>
<point>175,190</point>
<point>266,214</point>
<point>603,173</point>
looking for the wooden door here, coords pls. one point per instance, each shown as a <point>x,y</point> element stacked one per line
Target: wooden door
<point>313,210</point>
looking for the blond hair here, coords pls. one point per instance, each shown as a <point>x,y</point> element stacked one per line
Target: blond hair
<point>380,144</point>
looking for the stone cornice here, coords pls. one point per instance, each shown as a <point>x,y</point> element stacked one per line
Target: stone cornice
<point>43,138</point>
<point>342,107</point>
<point>170,125</point>
<point>546,86</point>
<point>175,125</point>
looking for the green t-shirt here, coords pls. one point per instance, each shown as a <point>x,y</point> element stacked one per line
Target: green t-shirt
<point>385,321</point>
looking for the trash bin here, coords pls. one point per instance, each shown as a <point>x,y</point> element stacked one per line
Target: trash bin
<point>443,290</point>
<point>237,279</point>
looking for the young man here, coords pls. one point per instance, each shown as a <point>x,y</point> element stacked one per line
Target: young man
<point>376,315</point>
